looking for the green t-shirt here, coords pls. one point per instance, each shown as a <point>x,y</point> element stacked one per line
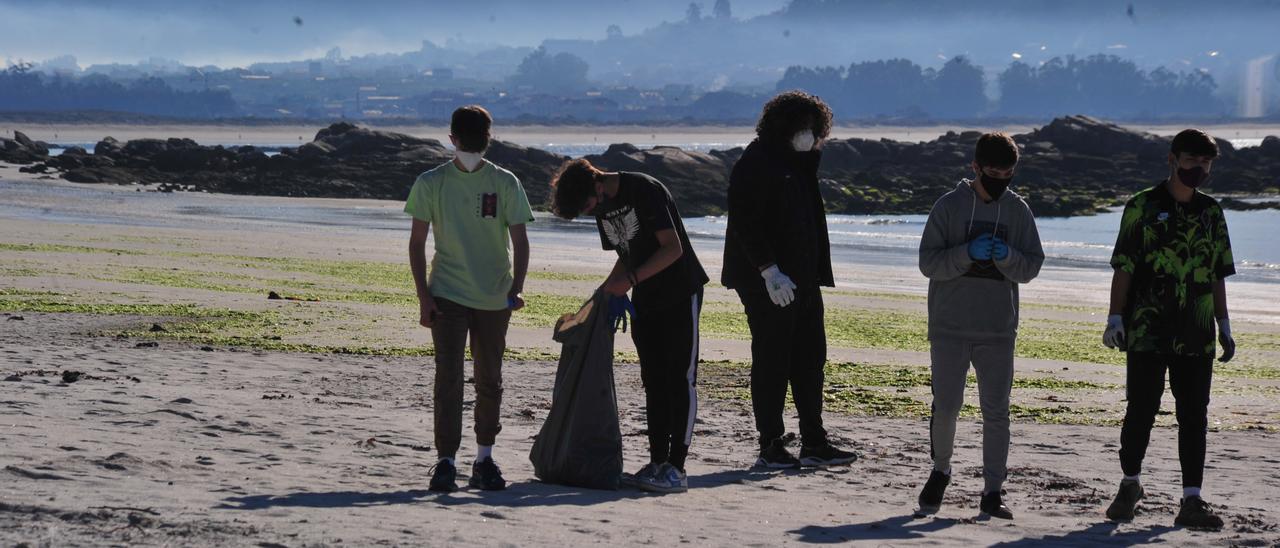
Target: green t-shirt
<point>470,214</point>
<point>1175,252</point>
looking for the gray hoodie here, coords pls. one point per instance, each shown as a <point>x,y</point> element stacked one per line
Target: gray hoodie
<point>977,300</point>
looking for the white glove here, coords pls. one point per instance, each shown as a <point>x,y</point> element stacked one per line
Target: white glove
<point>781,288</point>
<point>1224,338</point>
<point>1113,337</point>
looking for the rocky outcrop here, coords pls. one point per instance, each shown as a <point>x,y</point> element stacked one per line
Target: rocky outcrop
<point>1072,166</point>
<point>22,150</point>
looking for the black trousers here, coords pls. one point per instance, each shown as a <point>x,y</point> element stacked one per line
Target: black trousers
<point>667,341</point>
<point>1190,378</point>
<point>788,348</point>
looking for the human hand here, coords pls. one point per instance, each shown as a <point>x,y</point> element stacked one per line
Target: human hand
<point>999,249</point>
<point>1113,337</point>
<point>1226,340</point>
<point>980,248</point>
<point>781,288</point>
<point>427,311</point>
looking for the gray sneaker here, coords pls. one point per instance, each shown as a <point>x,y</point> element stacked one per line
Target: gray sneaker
<point>643,475</point>
<point>668,479</point>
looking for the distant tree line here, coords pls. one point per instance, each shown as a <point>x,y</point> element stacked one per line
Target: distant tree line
<point>24,90</point>
<point>1103,85</point>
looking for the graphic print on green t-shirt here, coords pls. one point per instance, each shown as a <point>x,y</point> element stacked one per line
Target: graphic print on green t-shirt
<point>470,216</point>
<point>1175,252</point>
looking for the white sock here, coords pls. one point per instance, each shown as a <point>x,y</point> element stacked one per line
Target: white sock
<point>1133,477</point>
<point>1190,492</point>
<point>484,452</point>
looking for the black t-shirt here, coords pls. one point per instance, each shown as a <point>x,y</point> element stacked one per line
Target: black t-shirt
<point>629,222</point>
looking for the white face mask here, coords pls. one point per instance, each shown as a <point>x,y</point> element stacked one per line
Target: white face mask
<point>470,160</point>
<point>803,141</point>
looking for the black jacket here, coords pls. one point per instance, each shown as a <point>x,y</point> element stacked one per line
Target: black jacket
<point>776,215</point>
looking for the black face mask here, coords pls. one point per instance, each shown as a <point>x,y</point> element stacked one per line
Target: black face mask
<point>994,187</point>
<point>1193,177</point>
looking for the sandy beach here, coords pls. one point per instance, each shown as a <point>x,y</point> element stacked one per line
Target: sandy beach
<point>154,395</point>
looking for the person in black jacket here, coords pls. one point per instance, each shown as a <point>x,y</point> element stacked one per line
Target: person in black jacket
<point>777,256</point>
<point>637,218</point>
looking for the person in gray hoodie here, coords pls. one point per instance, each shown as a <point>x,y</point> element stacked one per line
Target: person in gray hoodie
<point>979,243</point>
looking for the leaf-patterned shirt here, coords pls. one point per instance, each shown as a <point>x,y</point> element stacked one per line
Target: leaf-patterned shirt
<point>1175,252</point>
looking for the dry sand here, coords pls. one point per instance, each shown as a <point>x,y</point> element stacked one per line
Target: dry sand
<point>162,441</point>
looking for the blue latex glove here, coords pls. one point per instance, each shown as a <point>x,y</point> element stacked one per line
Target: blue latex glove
<point>999,249</point>
<point>620,308</point>
<point>980,248</point>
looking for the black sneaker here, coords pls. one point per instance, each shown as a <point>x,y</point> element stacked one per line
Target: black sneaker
<point>486,476</point>
<point>444,477</point>
<point>776,456</point>
<point>1196,514</point>
<point>1126,503</point>
<point>931,496</point>
<point>994,507</point>
<point>825,455</point>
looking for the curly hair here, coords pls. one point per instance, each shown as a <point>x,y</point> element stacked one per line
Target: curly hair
<point>790,112</point>
<point>571,186</point>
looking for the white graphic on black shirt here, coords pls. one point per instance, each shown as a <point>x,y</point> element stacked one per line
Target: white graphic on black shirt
<point>620,228</point>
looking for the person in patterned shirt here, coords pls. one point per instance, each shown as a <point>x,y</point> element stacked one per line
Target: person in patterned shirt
<point>1171,260</point>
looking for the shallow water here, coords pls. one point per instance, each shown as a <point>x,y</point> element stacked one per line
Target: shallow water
<point>891,240</point>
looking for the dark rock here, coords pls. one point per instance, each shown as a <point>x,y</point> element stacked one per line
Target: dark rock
<point>1270,145</point>
<point>1071,166</point>
<point>272,295</point>
<point>157,328</point>
<point>108,146</point>
<point>148,344</point>
<point>71,376</point>
<point>15,318</point>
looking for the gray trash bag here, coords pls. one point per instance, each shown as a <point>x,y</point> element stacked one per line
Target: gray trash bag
<point>580,444</point>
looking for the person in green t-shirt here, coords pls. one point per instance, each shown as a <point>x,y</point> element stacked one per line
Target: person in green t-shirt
<point>476,208</point>
<point>1171,260</point>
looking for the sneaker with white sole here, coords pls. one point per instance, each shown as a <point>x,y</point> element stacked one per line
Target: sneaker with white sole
<point>667,479</point>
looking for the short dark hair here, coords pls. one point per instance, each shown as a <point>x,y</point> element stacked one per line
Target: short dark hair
<point>470,125</point>
<point>1195,143</point>
<point>995,150</point>
<point>571,186</point>
<point>790,112</point>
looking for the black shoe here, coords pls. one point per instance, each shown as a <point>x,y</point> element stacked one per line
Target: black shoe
<point>444,477</point>
<point>825,455</point>
<point>486,476</point>
<point>776,456</point>
<point>1123,508</point>
<point>994,507</point>
<point>931,496</point>
<point>1195,513</point>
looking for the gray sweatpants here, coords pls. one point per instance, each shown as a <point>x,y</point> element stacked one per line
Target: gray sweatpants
<point>993,365</point>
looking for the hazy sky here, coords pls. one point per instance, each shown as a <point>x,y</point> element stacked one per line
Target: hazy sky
<point>239,32</point>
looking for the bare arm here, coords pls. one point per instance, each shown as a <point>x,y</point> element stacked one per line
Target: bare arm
<point>418,265</point>
<point>520,247</point>
<point>1120,282</point>
<point>669,251</point>
<point>1220,299</point>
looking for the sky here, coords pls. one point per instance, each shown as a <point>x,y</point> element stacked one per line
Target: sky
<point>231,33</point>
